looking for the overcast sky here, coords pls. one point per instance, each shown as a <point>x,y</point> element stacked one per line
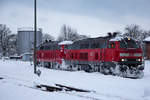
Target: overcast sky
<point>88,17</point>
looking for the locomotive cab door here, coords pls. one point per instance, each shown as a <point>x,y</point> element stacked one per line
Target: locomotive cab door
<point>110,52</point>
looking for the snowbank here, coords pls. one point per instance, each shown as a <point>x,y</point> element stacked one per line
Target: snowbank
<point>18,84</point>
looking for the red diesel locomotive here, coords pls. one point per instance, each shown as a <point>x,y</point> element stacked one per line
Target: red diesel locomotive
<point>121,56</point>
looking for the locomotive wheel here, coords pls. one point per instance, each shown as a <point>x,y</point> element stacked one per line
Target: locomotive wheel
<point>123,70</point>
<point>105,70</point>
<point>96,69</point>
<point>141,68</point>
<point>87,68</point>
<point>79,67</point>
<point>70,68</point>
<point>124,74</point>
<point>39,64</point>
<point>99,69</point>
<point>140,74</point>
<point>58,66</point>
<point>53,65</point>
<point>46,64</point>
<point>112,71</point>
<point>49,65</point>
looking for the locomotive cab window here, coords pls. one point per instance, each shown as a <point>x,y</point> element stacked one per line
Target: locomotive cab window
<point>128,43</point>
<point>111,45</point>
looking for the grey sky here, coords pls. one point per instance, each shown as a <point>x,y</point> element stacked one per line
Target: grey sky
<point>90,17</point>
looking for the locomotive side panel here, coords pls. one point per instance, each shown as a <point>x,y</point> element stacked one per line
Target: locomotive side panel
<point>49,52</point>
<point>87,52</point>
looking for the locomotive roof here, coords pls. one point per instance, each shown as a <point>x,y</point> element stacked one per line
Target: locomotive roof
<point>94,39</point>
<point>49,43</point>
<point>120,38</point>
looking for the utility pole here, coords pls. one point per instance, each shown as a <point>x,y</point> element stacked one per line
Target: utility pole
<point>35,31</point>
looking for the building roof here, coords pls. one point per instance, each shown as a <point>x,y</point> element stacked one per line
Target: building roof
<point>147,39</point>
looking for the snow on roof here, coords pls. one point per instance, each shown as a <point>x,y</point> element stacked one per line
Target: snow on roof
<point>27,53</point>
<point>28,29</point>
<point>118,38</point>
<point>147,39</point>
<point>65,42</point>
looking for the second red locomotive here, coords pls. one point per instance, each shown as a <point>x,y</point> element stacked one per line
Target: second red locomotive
<point>120,56</point>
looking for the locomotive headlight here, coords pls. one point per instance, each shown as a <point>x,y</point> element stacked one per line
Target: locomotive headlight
<point>137,54</point>
<point>124,54</point>
<point>138,59</point>
<point>129,38</point>
<point>123,59</point>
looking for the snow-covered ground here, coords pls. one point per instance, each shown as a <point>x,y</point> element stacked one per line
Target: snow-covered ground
<point>19,82</point>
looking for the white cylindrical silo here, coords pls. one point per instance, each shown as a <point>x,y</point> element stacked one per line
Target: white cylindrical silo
<point>25,39</point>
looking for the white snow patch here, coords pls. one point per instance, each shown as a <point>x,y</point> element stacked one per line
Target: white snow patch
<point>118,38</point>
<point>65,42</point>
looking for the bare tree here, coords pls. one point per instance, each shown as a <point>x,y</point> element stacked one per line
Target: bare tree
<point>68,33</point>
<point>133,31</point>
<point>4,32</point>
<point>47,36</point>
<point>64,32</point>
<point>12,44</point>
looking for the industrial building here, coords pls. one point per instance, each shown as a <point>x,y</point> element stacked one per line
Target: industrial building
<point>25,41</point>
<point>147,47</point>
